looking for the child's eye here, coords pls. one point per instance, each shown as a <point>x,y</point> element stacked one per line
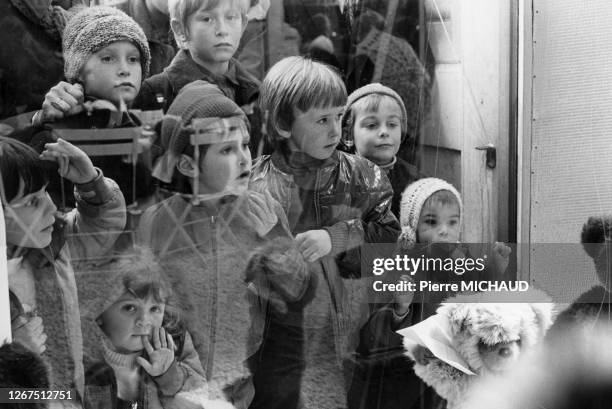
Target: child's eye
<point>453,222</point>
<point>227,150</point>
<point>371,125</point>
<point>106,58</point>
<point>430,222</point>
<point>134,60</point>
<point>232,16</point>
<point>33,202</point>
<point>129,308</point>
<point>322,121</point>
<point>156,309</point>
<point>206,19</point>
<point>393,125</point>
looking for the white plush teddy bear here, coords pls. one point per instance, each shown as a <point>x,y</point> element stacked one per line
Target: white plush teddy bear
<point>487,333</point>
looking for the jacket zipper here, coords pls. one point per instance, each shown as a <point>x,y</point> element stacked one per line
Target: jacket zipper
<point>213,309</point>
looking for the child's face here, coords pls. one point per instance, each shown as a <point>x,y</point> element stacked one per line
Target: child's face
<point>439,223</point>
<point>226,166</point>
<point>129,319</point>
<point>113,73</point>
<point>316,132</point>
<point>213,34</point>
<point>377,135</point>
<point>29,219</point>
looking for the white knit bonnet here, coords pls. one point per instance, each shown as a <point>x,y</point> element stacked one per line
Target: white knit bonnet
<point>413,199</point>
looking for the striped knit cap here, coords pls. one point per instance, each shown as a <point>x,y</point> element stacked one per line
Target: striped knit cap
<point>413,199</point>
<point>94,28</point>
<point>362,92</point>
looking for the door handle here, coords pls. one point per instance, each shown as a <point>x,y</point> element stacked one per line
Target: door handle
<point>491,155</point>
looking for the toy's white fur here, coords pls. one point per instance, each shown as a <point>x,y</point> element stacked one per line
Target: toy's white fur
<point>484,318</point>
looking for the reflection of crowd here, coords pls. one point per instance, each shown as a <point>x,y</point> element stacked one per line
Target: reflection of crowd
<point>223,281</point>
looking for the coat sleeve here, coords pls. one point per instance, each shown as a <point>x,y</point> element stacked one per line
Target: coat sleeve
<point>185,374</point>
<point>372,195</point>
<point>98,219</point>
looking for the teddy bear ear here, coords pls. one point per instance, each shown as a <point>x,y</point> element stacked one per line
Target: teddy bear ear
<point>544,315</point>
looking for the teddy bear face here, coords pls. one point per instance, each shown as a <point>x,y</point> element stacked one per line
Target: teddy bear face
<point>499,357</point>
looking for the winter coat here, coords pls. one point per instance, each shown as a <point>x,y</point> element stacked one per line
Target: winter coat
<point>204,249</point>
<point>114,167</point>
<point>31,60</point>
<point>350,197</point>
<point>159,91</point>
<point>161,44</point>
<point>86,233</point>
<point>169,390</point>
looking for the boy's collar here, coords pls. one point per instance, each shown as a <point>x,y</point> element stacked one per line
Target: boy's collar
<point>184,70</point>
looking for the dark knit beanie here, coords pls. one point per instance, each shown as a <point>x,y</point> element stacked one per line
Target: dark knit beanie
<point>199,99</point>
<point>94,28</point>
<point>362,92</point>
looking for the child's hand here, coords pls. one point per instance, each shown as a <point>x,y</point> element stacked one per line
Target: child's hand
<point>403,299</point>
<point>74,164</point>
<point>161,353</point>
<point>30,333</point>
<point>62,100</point>
<point>501,256</point>
<point>313,244</point>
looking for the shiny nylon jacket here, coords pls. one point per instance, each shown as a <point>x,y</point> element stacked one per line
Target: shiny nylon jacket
<point>348,196</point>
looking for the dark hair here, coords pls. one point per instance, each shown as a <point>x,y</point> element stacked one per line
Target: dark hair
<point>19,162</point>
<point>143,277</point>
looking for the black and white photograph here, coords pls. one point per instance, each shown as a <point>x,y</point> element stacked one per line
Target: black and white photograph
<point>305,204</point>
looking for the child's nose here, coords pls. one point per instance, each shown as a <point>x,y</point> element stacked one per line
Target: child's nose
<point>50,206</point>
<point>221,27</point>
<point>124,68</point>
<point>335,127</point>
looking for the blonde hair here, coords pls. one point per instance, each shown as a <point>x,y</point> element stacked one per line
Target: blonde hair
<point>297,83</point>
<point>181,10</point>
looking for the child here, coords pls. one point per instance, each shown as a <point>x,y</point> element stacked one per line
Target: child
<point>143,353</point>
<point>107,53</point>
<point>335,202</point>
<point>374,126</point>
<point>430,213</point>
<point>208,33</point>
<point>431,216</point>
<point>205,235</point>
<point>44,306</point>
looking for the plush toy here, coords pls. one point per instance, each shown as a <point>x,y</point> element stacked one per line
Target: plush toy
<point>486,333</point>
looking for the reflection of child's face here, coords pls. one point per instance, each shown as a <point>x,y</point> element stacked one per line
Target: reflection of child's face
<point>377,135</point>
<point>317,131</point>
<point>113,73</point>
<point>226,166</point>
<point>213,34</point>
<point>439,223</point>
<point>129,319</point>
<point>29,219</point>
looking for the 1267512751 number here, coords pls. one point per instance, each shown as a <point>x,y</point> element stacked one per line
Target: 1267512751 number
<point>8,395</point>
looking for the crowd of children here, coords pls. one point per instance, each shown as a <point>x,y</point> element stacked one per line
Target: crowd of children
<point>245,286</point>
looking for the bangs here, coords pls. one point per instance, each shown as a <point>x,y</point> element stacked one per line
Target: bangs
<point>442,198</point>
<point>372,103</point>
<point>18,162</point>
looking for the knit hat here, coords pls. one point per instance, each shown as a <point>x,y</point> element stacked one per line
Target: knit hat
<point>413,199</point>
<point>197,100</point>
<point>94,28</point>
<point>362,92</point>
